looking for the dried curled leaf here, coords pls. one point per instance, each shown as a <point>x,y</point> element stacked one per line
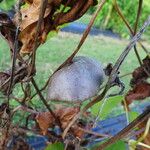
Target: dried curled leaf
<point>30,14</point>
<point>53,17</point>
<point>141,73</point>
<point>140,87</point>
<point>45,121</point>
<point>139,92</point>
<point>65,115</point>
<point>28,39</point>
<point>7,29</point>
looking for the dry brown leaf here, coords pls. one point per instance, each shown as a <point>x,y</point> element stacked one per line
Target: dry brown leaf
<point>30,16</point>
<point>140,74</point>
<point>45,121</point>
<point>77,131</point>
<point>139,92</point>
<point>7,29</point>
<point>65,115</point>
<point>29,39</point>
<point>52,19</point>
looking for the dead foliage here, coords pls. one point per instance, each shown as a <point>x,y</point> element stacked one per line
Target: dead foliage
<point>140,86</point>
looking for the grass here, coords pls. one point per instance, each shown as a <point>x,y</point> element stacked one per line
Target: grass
<point>57,49</point>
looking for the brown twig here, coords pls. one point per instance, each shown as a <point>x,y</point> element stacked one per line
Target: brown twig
<point>95,133</point>
<point>138,16</point>
<point>84,36</point>
<point>26,109</point>
<point>124,75</point>
<point>43,88</point>
<point>144,116</point>
<point>135,29</point>
<point>45,103</point>
<point>15,51</point>
<point>37,33</point>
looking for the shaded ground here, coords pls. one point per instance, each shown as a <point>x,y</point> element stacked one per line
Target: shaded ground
<point>79,28</point>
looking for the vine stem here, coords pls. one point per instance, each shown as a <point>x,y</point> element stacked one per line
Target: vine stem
<point>144,116</point>
<point>45,103</point>
<point>37,33</point>
<point>15,50</point>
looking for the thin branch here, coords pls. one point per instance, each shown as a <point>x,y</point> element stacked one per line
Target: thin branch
<point>135,29</point>
<point>94,133</point>
<point>15,51</point>
<point>43,88</point>
<point>138,16</point>
<point>26,109</point>
<point>84,36</point>
<point>45,103</point>
<point>124,75</point>
<point>38,31</point>
<point>128,26</point>
<point>123,133</point>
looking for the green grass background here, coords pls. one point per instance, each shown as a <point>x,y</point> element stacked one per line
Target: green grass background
<point>54,52</point>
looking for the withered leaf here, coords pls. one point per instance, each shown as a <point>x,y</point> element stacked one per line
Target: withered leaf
<point>28,39</point>
<point>45,121</point>
<point>139,92</point>
<point>30,14</point>
<point>7,29</point>
<point>65,115</point>
<point>141,73</point>
<point>53,17</point>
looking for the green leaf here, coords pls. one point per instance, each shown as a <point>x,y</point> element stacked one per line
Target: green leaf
<point>7,4</point>
<point>55,146</point>
<point>133,115</point>
<point>119,145</point>
<point>52,34</point>
<point>109,105</point>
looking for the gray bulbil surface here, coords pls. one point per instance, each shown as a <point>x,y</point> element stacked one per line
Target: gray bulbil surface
<point>78,81</point>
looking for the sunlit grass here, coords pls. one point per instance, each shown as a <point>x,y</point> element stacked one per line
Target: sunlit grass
<point>57,49</point>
